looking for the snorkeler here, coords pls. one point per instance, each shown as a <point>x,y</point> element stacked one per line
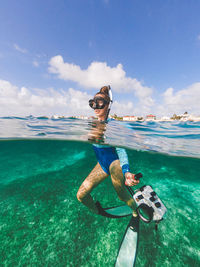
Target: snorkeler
<point>111,161</point>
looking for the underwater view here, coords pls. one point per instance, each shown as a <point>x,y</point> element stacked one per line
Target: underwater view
<point>42,165</point>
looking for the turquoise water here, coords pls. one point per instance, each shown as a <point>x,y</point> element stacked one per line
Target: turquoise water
<point>42,223</point>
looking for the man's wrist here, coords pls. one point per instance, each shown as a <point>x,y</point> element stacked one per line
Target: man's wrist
<point>125,169</point>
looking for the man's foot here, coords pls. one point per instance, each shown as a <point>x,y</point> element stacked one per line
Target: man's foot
<point>131,203</point>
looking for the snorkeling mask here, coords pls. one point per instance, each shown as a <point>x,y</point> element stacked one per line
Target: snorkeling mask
<point>149,205</point>
<point>98,103</point>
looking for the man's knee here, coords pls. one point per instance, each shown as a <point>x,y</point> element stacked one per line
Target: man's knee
<point>115,169</point>
<point>83,191</point>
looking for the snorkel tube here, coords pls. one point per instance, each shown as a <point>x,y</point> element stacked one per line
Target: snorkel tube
<point>111,101</point>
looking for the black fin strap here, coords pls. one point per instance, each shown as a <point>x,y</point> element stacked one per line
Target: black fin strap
<point>100,209</point>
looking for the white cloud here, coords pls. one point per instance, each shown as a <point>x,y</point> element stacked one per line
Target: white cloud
<point>183,100</point>
<point>35,63</point>
<point>15,101</point>
<point>22,50</point>
<point>126,108</point>
<point>98,74</point>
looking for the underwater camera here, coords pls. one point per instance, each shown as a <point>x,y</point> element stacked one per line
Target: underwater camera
<point>149,206</point>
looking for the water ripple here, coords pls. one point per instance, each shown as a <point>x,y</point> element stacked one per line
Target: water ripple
<point>175,138</point>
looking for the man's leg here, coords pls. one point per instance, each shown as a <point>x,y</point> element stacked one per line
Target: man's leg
<point>119,185</point>
<point>96,176</point>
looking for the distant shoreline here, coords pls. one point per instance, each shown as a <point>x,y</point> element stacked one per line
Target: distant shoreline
<point>151,118</point>
<point>148,118</point>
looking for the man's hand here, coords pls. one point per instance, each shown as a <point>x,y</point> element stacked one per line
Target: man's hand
<point>130,179</point>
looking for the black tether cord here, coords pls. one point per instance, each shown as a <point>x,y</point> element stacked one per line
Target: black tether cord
<point>130,190</point>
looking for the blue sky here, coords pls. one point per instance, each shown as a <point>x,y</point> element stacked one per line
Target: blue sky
<point>54,55</point>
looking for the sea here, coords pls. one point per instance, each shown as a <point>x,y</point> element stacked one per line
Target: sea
<point>43,161</point>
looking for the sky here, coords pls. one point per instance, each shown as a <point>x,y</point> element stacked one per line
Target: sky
<point>55,55</point>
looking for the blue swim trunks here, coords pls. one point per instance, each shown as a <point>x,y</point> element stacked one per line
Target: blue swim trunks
<point>107,154</point>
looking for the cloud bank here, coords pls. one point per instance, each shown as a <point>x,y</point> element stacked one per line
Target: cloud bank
<point>98,74</point>
<point>15,101</point>
<point>138,99</point>
<point>187,99</point>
